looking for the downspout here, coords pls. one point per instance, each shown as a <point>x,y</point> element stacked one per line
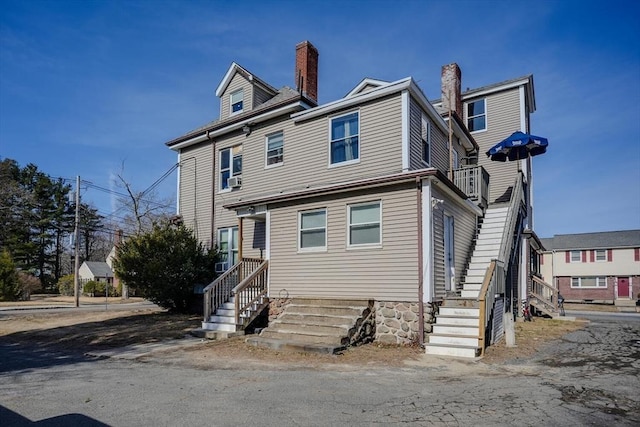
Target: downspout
<point>420,257</point>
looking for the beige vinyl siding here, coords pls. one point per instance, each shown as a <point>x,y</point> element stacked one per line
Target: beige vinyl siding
<point>237,82</point>
<point>503,118</point>
<point>389,272</point>
<point>196,189</point>
<point>306,152</point>
<point>464,232</point>
<point>439,142</point>
<point>260,96</point>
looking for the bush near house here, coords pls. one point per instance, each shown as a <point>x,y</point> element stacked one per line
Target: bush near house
<point>164,264</point>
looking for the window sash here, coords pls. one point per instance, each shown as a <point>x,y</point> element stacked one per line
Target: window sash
<point>275,149</point>
<point>576,256</point>
<point>365,224</point>
<point>237,99</point>
<point>601,254</point>
<point>593,282</point>
<point>345,144</point>
<point>230,165</point>
<point>313,230</point>
<point>228,245</point>
<point>476,115</point>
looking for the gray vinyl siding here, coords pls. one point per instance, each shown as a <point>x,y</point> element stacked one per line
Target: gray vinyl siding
<point>306,152</point>
<point>237,82</point>
<point>260,96</point>
<point>503,118</point>
<point>439,142</point>
<point>196,190</point>
<point>464,233</point>
<point>387,273</point>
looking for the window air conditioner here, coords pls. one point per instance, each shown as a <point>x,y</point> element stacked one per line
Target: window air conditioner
<point>221,267</point>
<point>235,181</point>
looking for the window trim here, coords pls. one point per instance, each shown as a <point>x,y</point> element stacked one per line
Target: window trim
<point>571,260</point>
<point>266,150</point>
<point>467,116</point>
<point>232,173</point>
<point>299,231</point>
<point>606,255</point>
<point>425,121</point>
<point>231,243</point>
<point>331,141</point>
<point>598,279</point>
<point>231,112</point>
<point>378,244</point>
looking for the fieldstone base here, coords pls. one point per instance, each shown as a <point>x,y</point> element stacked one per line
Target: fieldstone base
<point>398,322</point>
<point>276,307</point>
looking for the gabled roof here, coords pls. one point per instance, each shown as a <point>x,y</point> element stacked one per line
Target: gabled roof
<point>601,240</point>
<point>237,69</point>
<point>364,83</point>
<point>99,268</point>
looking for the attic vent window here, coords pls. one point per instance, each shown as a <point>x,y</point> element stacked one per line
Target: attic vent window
<point>236,101</point>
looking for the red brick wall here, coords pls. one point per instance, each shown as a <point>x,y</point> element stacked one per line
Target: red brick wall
<point>581,294</point>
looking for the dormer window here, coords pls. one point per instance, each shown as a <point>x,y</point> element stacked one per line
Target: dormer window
<point>236,101</point>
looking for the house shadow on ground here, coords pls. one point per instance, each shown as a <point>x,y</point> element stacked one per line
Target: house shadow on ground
<point>10,418</point>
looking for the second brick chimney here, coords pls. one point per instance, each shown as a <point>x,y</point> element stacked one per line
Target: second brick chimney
<point>451,83</point>
<point>306,76</point>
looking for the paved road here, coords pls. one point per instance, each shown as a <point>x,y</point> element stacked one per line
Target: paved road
<point>590,377</point>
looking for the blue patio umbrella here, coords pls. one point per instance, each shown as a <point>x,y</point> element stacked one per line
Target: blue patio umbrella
<point>518,146</point>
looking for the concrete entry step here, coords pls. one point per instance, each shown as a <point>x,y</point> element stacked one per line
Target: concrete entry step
<point>282,344</point>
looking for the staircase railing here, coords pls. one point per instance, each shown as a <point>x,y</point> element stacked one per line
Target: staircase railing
<point>251,291</point>
<point>544,296</point>
<point>512,218</point>
<point>492,285</point>
<point>474,182</point>
<point>220,290</point>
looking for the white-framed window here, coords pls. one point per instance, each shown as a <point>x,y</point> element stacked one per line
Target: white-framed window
<point>575,256</point>
<point>425,136</point>
<point>344,146</point>
<point>477,115</point>
<point>456,159</point>
<point>364,224</point>
<point>589,282</point>
<point>601,255</point>
<point>274,149</point>
<point>312,230</point>
<point>230,165</point>
<point>228,240</point>
<point>236,100</point>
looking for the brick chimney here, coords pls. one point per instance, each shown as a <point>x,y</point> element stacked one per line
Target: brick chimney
<point>451,83</point>
<point>306,75</point>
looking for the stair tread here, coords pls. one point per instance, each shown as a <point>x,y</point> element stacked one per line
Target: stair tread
<point>451,345</point>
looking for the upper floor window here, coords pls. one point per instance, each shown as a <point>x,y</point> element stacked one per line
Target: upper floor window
<point>476,115</point>
<point>275,149</point>
<point>365,224</point>
<point>576,256</point>
<point>601,254</point>
<point>230,167</point>
<point>313,230</point>
<point>237,99</point>
<point>345,132</point>
<point>425,135</point>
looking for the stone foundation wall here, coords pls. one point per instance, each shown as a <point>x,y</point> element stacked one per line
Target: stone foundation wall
<point>397,322</point>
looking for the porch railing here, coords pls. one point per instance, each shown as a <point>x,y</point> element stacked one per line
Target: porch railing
<point>492,285</point>
<point>474,182</point>
<point>221,289</point>
<point>250,293</point>
<point>517,195</point>
<point>544,296</point>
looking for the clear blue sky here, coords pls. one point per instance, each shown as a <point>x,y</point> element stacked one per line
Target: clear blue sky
<point>88,85</point>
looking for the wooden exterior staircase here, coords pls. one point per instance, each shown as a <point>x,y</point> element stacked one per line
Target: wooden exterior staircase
<point>236,298</point>
<point>545,298</point>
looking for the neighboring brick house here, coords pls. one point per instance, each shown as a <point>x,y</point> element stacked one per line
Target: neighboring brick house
<point>594,267</point>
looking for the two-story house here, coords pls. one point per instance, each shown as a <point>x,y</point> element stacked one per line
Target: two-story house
<point>378,201</point>
<point>594,267</point>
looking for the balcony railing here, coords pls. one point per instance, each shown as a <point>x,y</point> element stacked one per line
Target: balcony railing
<point>474,182</point>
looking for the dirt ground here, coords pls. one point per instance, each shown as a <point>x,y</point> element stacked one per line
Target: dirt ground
<point>103,330</point>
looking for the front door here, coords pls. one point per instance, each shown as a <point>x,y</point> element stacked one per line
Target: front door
<point>623,287</point>
<point>449,259</point>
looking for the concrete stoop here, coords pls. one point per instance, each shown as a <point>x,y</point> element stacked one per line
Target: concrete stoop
<point>315,325</point>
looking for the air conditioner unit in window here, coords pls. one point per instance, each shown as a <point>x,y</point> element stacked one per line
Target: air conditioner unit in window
<point>221,267</point>
<point>235,182</point>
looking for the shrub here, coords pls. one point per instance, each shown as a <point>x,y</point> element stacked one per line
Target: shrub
<point>28,284</point>
<point>65,285</point>
<point>164,264</point>
<point>10,289</point>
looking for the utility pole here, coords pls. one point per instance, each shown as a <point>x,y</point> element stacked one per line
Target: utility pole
<point>76,268</point>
